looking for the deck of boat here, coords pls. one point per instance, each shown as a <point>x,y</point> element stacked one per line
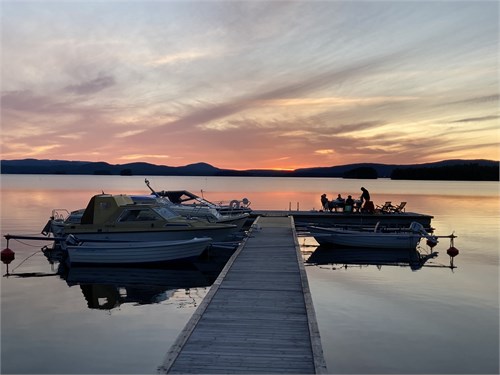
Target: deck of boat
<point>258,317</point>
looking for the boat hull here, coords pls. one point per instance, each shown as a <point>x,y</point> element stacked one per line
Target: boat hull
<point>136,252</point>
<point>217,233</point>
<point>370,240</point>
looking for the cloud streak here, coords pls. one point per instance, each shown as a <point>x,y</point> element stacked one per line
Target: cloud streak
<point>307,86</point>
<point>92,86</point>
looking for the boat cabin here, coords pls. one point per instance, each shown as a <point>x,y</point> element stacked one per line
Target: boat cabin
<point>106,208</point>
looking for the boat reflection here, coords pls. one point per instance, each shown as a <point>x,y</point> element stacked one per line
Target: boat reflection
<point>107,288</point>
<point>344,257</point>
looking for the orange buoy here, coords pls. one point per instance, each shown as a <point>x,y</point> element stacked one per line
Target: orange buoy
<point>7,255</point>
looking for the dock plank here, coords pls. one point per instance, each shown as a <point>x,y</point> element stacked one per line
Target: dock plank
<point>258,316</point>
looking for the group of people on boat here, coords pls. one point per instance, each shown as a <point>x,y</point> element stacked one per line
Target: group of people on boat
<point>363,204</point>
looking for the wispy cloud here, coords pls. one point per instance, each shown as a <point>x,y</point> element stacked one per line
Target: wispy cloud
<point>92,86</point>
<point>476,100</point>
<point>176,58</point>
<point>477,119</point>
<point>203,115</point>
<point>324,152</point>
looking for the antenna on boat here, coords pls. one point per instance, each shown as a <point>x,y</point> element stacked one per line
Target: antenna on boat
<point>146,181</point>
<point>202,194</point>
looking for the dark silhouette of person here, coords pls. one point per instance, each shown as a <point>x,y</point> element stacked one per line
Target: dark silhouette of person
<point>349,201</point>
<point>339,202</point>
<point>349,204</point>
<point>365,196</point>
<point>366,202</point>
<point>324,202</point>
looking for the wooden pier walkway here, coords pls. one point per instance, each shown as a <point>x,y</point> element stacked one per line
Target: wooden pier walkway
<point>258,317</point>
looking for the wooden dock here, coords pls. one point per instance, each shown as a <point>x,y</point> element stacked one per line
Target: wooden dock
<point>304,218</point>
<point>258,317</point>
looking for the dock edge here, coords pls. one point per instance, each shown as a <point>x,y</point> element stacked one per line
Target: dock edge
<point>317,348</point>
<point>188,329</point>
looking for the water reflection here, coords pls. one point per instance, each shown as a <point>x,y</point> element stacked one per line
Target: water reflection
<point>342,258</point>
<point>109,287</point>
<point>106,288</point>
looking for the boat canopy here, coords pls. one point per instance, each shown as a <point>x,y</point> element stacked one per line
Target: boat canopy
<point>181,196</point>
<point>102,206</point>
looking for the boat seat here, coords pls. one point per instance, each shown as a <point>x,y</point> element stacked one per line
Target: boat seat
<point>385,208</point>
<point>399,209</point>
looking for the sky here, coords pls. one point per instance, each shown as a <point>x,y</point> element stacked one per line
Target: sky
<point>250,84</point>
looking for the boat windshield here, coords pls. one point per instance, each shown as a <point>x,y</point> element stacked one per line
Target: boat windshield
<point>146,214</point>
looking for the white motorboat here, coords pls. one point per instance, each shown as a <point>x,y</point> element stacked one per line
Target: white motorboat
<point>209,214</point>
<point>189,199</point>
<point>407,239</point>
<point>143,252</point>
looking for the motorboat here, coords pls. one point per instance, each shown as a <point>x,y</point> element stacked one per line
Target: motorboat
<point>385,239</point>
<point>133,252</point>
<point>206,213</point>
<point>189,199</point>
<point>119,218</point>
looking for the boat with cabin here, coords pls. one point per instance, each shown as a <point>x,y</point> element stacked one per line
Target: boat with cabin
<point>119,218</point>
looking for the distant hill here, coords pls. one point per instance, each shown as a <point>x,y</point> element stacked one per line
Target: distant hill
<point>34,166</point>
<point>453,169</point>
<point>386,170</point>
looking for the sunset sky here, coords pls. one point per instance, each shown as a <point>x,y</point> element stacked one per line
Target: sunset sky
<point>250,84</point>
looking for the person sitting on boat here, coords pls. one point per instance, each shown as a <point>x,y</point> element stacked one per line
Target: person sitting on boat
<point>332,205</point>
<point>349,201</point>
<point>339,202</point>
<point>324,202</point>
<point>349,204</point>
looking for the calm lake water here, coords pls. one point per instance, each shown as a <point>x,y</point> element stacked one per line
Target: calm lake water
<point>373,318</point>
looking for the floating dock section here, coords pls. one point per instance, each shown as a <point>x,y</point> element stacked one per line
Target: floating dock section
<point>304,218</point>
<point>258,316</point>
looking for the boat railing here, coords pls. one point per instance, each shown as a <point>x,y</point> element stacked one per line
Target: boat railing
<point>59,214</point>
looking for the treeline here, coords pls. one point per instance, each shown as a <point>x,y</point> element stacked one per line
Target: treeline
<point>469,170</point>
<point>361,172</point>
<point>464,172</point>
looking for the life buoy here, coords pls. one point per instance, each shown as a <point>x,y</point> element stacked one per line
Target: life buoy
<point>234,204</point>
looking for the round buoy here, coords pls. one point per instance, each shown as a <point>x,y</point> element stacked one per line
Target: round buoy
<point>452,251</point>
<point>7,255</point>
<point>431,243</point>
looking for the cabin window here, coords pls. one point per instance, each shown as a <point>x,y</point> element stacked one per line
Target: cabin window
<point>139,215</point>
